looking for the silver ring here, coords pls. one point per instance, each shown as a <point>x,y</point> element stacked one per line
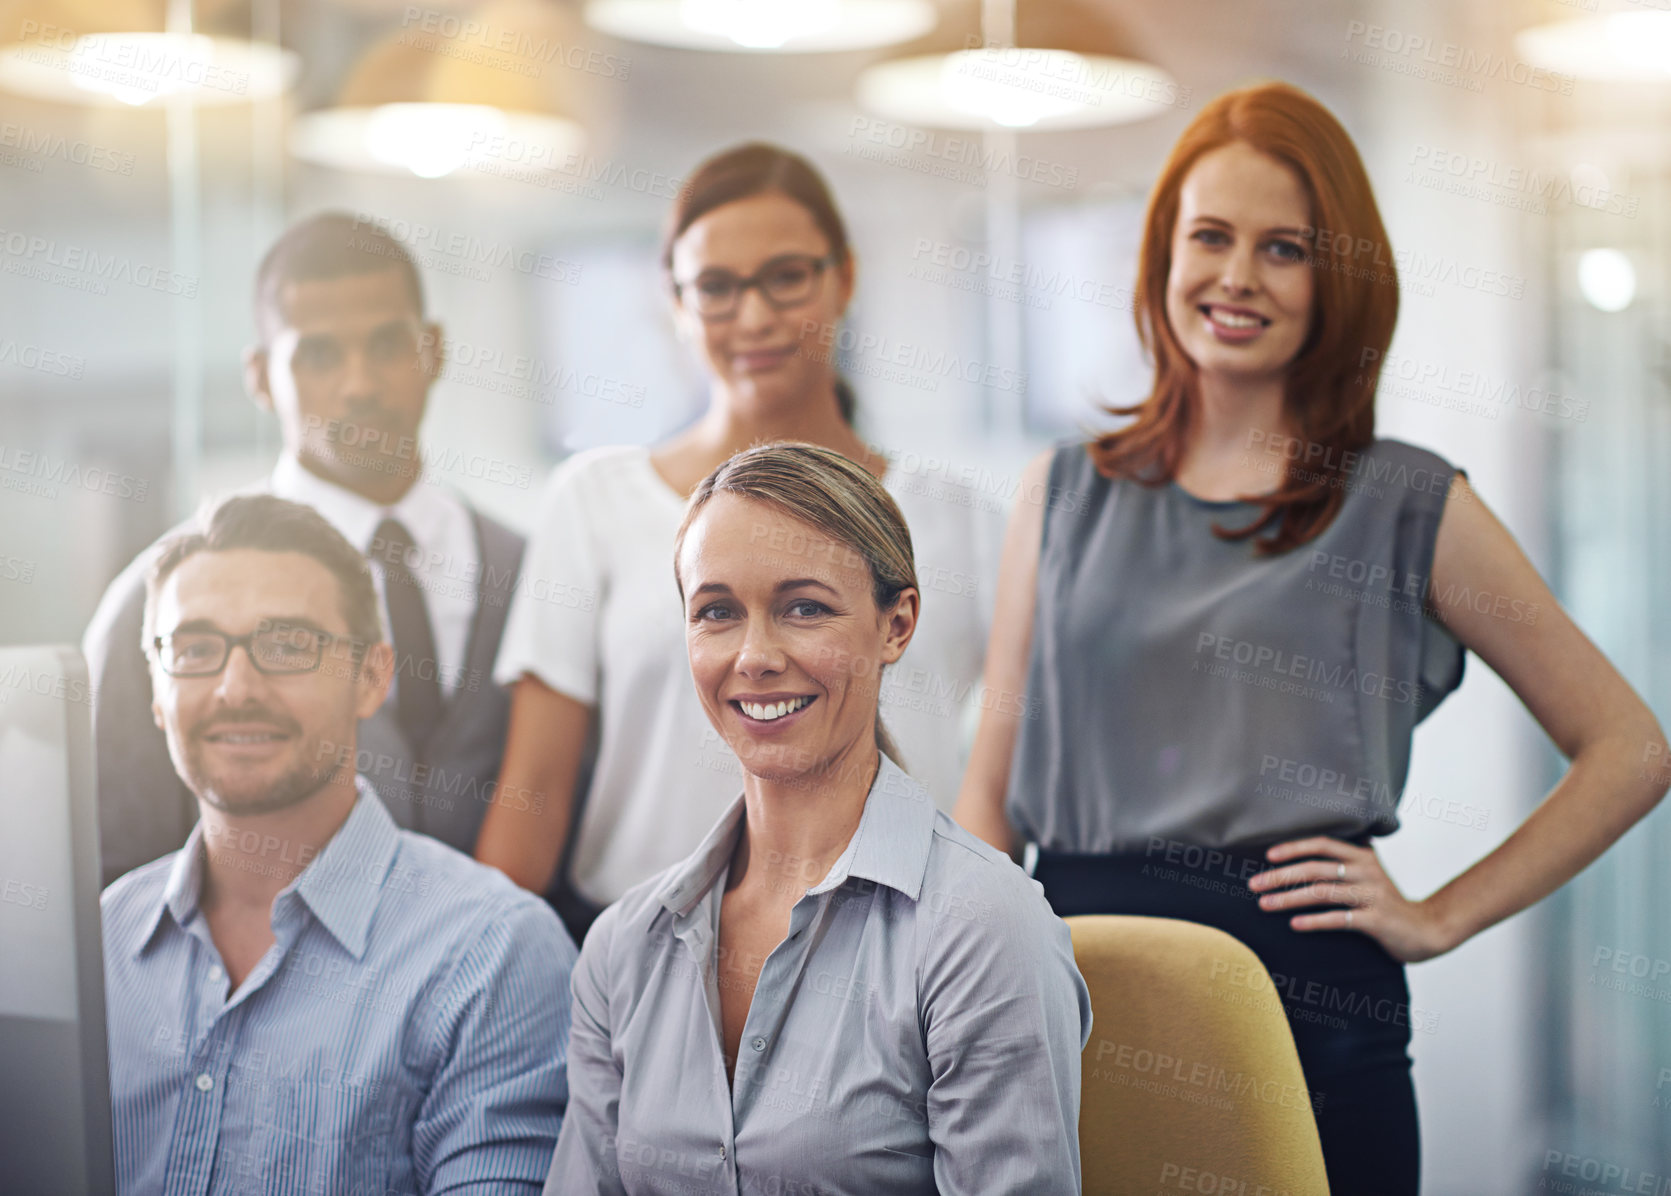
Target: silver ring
<point>1348,919</point>
<point>1340,871</point>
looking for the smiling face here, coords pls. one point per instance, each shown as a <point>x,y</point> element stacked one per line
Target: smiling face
<point>765,359</point>
<point>785,639</point>
<point>347,367</point>
<point>247,742</point>
<point>1239,293</point>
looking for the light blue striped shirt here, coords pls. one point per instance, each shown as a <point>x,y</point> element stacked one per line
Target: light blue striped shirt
<point>406,1033</point>
<point>918,1030</point>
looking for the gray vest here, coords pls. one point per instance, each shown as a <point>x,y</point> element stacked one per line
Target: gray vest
<point>442,788</point>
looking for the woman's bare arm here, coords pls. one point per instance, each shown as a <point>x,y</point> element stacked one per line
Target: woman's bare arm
<point>1577,696</point>
<point>980,799</point>
<point>524,838</point>
<point>1492,599</point>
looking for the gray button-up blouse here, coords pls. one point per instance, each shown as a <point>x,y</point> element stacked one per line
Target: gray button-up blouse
<point>918,1031</point>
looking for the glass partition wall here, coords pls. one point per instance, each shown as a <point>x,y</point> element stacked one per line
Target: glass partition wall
<point>1608,983</point>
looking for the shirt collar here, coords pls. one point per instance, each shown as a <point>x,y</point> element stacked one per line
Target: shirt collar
<point>890,846</point>
<point>693,878</point>
<point>421,509</point>
<point>895,834</point>
<point>179,894</point>
<point>332,886</point>
<point>341,887</point>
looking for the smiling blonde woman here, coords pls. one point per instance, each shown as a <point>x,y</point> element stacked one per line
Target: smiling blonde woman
<point>840,989</point>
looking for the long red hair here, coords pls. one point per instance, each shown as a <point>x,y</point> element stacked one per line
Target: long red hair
<point>1331,382</point>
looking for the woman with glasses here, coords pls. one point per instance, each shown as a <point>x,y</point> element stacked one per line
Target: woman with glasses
<point>760,272</point>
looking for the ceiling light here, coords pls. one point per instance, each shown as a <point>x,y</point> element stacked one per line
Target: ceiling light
<point>80,57</point>
<point>1043,64</point>
<point>480,97</point>
<point>432,140</point>
<point>1016,87</point>
<point>1622,47</point>
<point>763,26</point>
<point>1606,279</point>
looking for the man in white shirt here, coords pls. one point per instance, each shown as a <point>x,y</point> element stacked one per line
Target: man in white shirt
<point>345,361</point>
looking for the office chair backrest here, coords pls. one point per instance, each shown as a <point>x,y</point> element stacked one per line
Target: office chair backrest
<point>1190,1079</point>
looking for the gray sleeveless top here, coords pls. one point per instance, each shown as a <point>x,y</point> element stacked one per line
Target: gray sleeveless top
<point>1182,687</point>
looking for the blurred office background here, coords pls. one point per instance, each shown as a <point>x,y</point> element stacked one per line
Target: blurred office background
<point>1524,172</point>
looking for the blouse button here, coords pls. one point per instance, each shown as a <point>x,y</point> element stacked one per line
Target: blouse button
<point>759,1044</point>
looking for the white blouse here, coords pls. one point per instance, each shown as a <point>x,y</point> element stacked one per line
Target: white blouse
<point>597,617</point>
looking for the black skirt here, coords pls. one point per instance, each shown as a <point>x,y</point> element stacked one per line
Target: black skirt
<point>1347,1001</point>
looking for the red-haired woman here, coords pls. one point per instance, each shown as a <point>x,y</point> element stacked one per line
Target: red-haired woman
<point>603,714</point>
<point>1231,613</point>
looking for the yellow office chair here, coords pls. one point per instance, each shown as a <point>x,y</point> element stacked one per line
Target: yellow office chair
<point>1190,1081</point>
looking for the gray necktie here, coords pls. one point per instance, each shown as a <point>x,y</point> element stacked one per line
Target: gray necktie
<point>418,692</point>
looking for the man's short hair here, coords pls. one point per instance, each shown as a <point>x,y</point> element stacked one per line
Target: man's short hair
<point>270,524</point>
<point>329,245</point>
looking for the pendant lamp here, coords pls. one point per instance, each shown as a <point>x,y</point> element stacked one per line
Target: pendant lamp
<point>487,91</point>
<point>129,53</point>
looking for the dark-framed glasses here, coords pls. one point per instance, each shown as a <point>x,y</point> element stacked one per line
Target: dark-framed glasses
<point>784,281</point>
<point>279,649</point>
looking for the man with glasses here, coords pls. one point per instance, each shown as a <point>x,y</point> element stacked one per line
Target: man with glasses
<point>345,361</point>
<point>306,998</point>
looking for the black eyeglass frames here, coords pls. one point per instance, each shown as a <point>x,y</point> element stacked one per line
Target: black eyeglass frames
<point>784,282</point>
<point>277,650</point>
